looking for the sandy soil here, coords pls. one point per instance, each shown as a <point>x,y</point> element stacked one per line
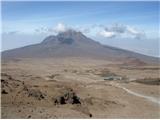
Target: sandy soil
<point>31,86</point>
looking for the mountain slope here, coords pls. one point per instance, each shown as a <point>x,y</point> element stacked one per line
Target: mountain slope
<point>73,44</point>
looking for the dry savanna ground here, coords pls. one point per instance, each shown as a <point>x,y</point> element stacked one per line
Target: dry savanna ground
<point>75,88</point>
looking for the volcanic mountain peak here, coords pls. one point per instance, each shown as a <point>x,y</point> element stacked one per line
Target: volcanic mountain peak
<point>70,33</point>
<point>68,37</point>
<point>73,44</point>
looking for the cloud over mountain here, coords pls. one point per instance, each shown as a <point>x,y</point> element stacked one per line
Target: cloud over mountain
<point>113,31</point>
<point>117,30</point>
<point>60,27</point>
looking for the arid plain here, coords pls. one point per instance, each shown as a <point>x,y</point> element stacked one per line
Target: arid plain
<point>79,88</point>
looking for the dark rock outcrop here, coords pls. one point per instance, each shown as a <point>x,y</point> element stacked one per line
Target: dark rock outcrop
<point>69,97</point>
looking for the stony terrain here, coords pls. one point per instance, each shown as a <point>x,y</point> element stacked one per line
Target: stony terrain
<point>75,88</point>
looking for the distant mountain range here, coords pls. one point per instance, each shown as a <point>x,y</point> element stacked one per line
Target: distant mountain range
<point>74,44</point>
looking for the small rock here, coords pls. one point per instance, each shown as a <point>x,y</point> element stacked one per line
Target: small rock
<point>29,116</point>
<point>4,92</point>
<point>90,115</point>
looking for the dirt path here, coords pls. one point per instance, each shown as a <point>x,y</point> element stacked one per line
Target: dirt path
<point>149,98</point>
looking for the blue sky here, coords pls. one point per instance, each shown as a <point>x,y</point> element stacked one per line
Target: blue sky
<point>128,25</point>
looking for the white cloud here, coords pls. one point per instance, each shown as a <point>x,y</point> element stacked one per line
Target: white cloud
<point>112,31</point>
<point>107,34</point>
<point>132,30</point>
<point>121,30</point>
<point>136,33</point>
<point>118,28</point>
<point>60,28</point>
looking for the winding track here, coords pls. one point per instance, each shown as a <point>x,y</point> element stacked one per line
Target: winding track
<point>149,98</point>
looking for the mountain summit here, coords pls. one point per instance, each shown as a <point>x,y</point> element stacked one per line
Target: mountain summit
<point>68,37</point>
<point>73,44</point>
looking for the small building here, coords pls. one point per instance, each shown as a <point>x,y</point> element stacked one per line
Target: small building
<point>113,78</point>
